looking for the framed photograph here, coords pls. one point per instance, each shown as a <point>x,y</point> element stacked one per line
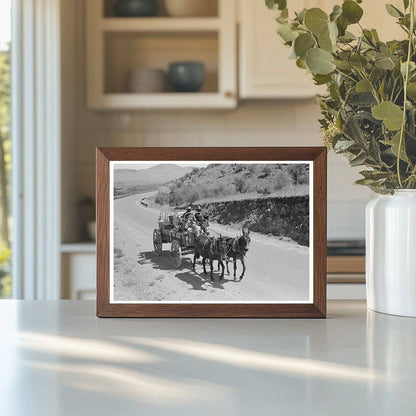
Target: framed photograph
<point>211,232</point>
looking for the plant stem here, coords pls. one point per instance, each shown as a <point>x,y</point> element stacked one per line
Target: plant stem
<point>406,80</point>
<point>373,89</point>
<point>345,75</point>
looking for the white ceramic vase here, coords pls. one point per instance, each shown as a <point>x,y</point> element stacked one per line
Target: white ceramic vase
<point>391,253</point>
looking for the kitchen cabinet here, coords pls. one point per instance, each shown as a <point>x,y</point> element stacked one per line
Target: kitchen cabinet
<point>78,263</point>
<point>118,45</point>
<point>265,70</point>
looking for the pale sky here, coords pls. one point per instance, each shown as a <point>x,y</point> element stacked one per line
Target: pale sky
<point>5,20</point>
<point>144,165</point>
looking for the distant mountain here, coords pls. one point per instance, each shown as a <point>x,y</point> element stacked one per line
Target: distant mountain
<point>132,181</point>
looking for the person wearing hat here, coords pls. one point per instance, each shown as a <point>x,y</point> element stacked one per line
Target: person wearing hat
<point>200,218</point>
<point>187,215</point>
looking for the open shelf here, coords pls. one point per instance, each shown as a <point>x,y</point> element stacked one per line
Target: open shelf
<point>127,51</point>
<point>194,101</point>
<point>160,24</point>
<point>80,247</point>
<point>108,9</point>
<point>116,46</point>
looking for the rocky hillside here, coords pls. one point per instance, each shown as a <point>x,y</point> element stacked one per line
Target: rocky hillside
<point>234,181</point>
<point>282,217</point>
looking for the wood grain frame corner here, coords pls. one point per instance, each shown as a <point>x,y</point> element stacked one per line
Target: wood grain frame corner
<point>317,309</point>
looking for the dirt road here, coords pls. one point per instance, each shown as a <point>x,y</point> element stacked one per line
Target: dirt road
<point>276,270</point>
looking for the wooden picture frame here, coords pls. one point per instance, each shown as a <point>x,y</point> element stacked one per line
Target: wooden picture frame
<point>315,308</point>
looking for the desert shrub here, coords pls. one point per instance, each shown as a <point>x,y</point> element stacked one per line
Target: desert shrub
<point>240,184</point>
<point>266,171</point>
<point>162,198</point>
<point>263,189</point>
<point>191,196</point>
<point>252,168</point>
<point>299,174</point>
<point>176,197</point>
<point>282,179</point>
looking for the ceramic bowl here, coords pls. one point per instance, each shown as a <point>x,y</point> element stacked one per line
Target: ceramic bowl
<point>186,76</point>
<point>147,80</point>
<point>136,8</point>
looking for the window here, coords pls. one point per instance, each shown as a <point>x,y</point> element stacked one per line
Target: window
<point>5,144</point>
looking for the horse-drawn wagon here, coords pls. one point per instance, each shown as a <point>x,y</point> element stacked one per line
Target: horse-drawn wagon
<point>178,233</point>
<point>185,237</point>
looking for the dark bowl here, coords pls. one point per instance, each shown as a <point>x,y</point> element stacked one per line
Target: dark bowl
<point>186,76</point>
<point>136,8</point>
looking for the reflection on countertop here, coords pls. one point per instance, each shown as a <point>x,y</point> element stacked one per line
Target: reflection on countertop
<point>63,360</point>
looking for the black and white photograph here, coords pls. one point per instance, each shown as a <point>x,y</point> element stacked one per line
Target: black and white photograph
<point>208,232</point>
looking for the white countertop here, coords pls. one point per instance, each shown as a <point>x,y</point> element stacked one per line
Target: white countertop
<point>58,359</point>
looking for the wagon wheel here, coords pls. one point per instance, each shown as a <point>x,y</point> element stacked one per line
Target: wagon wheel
<point>157,242</point>
<point>176,252</point>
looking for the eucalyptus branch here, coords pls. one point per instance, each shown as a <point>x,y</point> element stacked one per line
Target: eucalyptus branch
<point>406,80</point>
<point>364,108</point>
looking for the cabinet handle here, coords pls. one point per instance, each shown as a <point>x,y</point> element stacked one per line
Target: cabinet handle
<point>228,94</point>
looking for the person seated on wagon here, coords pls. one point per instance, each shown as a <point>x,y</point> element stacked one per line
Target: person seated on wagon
<point>186,219</point>
<point>201,218</point>
<point>187,215</point>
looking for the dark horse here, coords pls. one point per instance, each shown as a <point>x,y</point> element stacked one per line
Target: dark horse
<point>212,249</point>
<point>237,248</point>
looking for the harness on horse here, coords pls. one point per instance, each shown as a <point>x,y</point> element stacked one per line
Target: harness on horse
<point>236,248</point>
<point>212,245</point>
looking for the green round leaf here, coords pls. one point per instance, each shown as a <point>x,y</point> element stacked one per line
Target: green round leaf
<point>358,61</point>
<point>336,12</point>
<point>316,20</point>
<point>351,11</point>
<point>319,61</point>
<point>411,90</point>
<point>324,42</point>
<point>343,65</point>
<point>327,40</point>
<point>301,63</point>
<point>391,114</point>
<point>276,4</point>
<point>342,25</point>
<point>363,86</point>
<point>394,144</point>
<point>393,11</point>
<point>286,32</point>
<point>385,63</point>
<point>303,43</point>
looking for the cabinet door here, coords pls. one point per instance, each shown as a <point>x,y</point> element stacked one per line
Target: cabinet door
<point>265,68</point>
